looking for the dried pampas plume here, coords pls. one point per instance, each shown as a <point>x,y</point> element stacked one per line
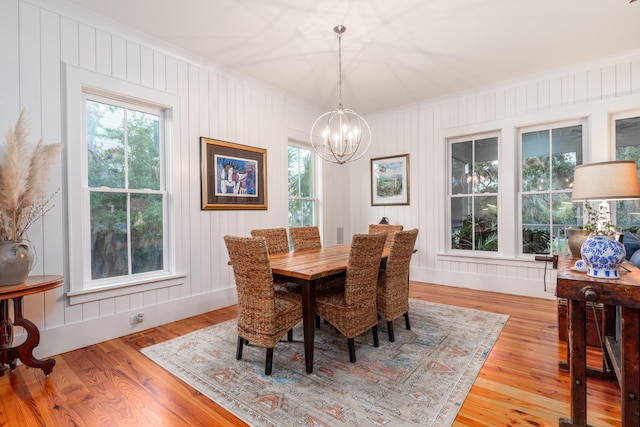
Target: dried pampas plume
<point>23,175</point>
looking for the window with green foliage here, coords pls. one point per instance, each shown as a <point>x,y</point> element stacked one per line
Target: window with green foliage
<point>301,181</point>
<point>473,194</point>
<point>627,137</point>
<point>549,156</point>
<point>125,186</point>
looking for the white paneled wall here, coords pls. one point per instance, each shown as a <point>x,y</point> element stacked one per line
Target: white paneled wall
<point>38,38</point>
<point>591,91</point>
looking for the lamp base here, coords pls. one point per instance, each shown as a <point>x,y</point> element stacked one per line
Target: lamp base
<point>603,255</point>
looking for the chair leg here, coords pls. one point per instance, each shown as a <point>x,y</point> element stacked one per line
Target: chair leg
<point>406,320</point>
<point>317,322</point>
<point>239,348</point>
<point>269,361</point>
<point>374,330</point>
<point>392,337</point>
<point>352,350</point>
<point>290,335</point>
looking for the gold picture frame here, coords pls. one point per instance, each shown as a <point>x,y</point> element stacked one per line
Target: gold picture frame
<point>233,176</point>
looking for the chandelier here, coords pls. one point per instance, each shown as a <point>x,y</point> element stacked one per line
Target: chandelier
<point>338,135</point>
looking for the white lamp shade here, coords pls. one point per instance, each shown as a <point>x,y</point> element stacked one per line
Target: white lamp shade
<point>606,181</point>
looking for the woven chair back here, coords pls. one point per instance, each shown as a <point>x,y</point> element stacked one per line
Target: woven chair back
<point>276,238</point>
<point>254,282</point>
<point>362,268</point>
<point>388,229</point>
<point>393,295</point>
<point>305,238</point>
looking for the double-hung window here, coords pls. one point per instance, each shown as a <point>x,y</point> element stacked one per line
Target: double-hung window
<point>303,204</point>
<point>125,188</point>
<point>549,156</point>
<point>473,193</point>
<point>627,139</point>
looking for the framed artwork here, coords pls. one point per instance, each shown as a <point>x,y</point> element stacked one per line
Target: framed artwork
<point>390,180</point>
<point>233,176</point>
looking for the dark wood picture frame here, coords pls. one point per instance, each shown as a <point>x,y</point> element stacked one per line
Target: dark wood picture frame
<point>390,180</point>
<point>233,176</point>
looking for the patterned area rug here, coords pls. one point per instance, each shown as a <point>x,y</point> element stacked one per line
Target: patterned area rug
<point>420,379</point>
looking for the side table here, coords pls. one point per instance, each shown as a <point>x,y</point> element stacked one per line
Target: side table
<point>24,351</point>
<point>623,354</point>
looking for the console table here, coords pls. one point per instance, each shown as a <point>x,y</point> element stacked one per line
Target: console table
<point>24,351</point>
<point>623,355</point>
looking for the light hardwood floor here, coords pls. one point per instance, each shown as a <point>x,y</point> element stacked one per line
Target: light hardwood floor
<point>113,384</point>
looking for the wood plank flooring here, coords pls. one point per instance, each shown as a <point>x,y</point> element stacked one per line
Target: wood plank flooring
<point>112,384</point>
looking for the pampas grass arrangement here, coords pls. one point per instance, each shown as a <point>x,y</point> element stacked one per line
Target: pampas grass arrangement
<point>23,175</point>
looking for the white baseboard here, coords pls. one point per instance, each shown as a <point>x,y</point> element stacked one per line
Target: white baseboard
<point>504,285</point>
<point>77,335</point>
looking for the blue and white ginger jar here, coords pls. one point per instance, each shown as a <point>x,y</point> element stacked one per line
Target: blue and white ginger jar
<point>602,256</point>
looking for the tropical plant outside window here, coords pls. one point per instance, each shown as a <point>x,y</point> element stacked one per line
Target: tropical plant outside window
<point>549,157</point>
<point>627,137</point>
<point>125,182</point>
<point>302,200</point>
<point>474,194</point>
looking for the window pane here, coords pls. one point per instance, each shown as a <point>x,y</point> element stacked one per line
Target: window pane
<point>567,153</point>
<point>105,145</point>
<point>308,214</point>
<point>461,169</point>
<point>485,168</point>
<point>535,161</point>
<point>109,254</point>
<point>536,224</point>
<point>306,173</point>
<point>565,212</point>
<point>294,171</point>
<point>486,223</point>
<point>146,232</point>
<point>143,141</point>
<point>296,217</point>
<point>461,223</point>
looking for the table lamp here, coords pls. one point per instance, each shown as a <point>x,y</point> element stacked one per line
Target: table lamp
<point>605,181</point>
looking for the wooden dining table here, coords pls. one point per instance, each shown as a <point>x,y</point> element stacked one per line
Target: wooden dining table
<point>311,268</point>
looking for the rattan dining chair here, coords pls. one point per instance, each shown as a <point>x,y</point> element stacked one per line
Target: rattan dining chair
<point>305,238</point>
<point>265,314</point>
<point>388,229</point>
<point>277,239</point>
<point>393,281</point>
<point>352,310</point>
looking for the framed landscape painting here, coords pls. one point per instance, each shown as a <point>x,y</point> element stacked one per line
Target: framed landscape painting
<point>390,180</point>
<point>233,176</point>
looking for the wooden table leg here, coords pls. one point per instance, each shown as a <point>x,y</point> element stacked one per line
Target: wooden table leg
<point>308,323</point>
<point>577,364</point>
<point>25,350</point>
<point>630,358</point>
<point>6,335</point>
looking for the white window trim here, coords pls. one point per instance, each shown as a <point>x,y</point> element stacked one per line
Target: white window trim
<point>77,82</point>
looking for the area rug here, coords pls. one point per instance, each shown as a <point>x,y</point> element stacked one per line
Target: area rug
<point>420,379</point>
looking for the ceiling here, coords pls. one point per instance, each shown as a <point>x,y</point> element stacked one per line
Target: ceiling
<point>393,52</point>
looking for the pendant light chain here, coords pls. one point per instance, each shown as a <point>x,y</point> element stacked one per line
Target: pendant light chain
<point>339,29</point>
